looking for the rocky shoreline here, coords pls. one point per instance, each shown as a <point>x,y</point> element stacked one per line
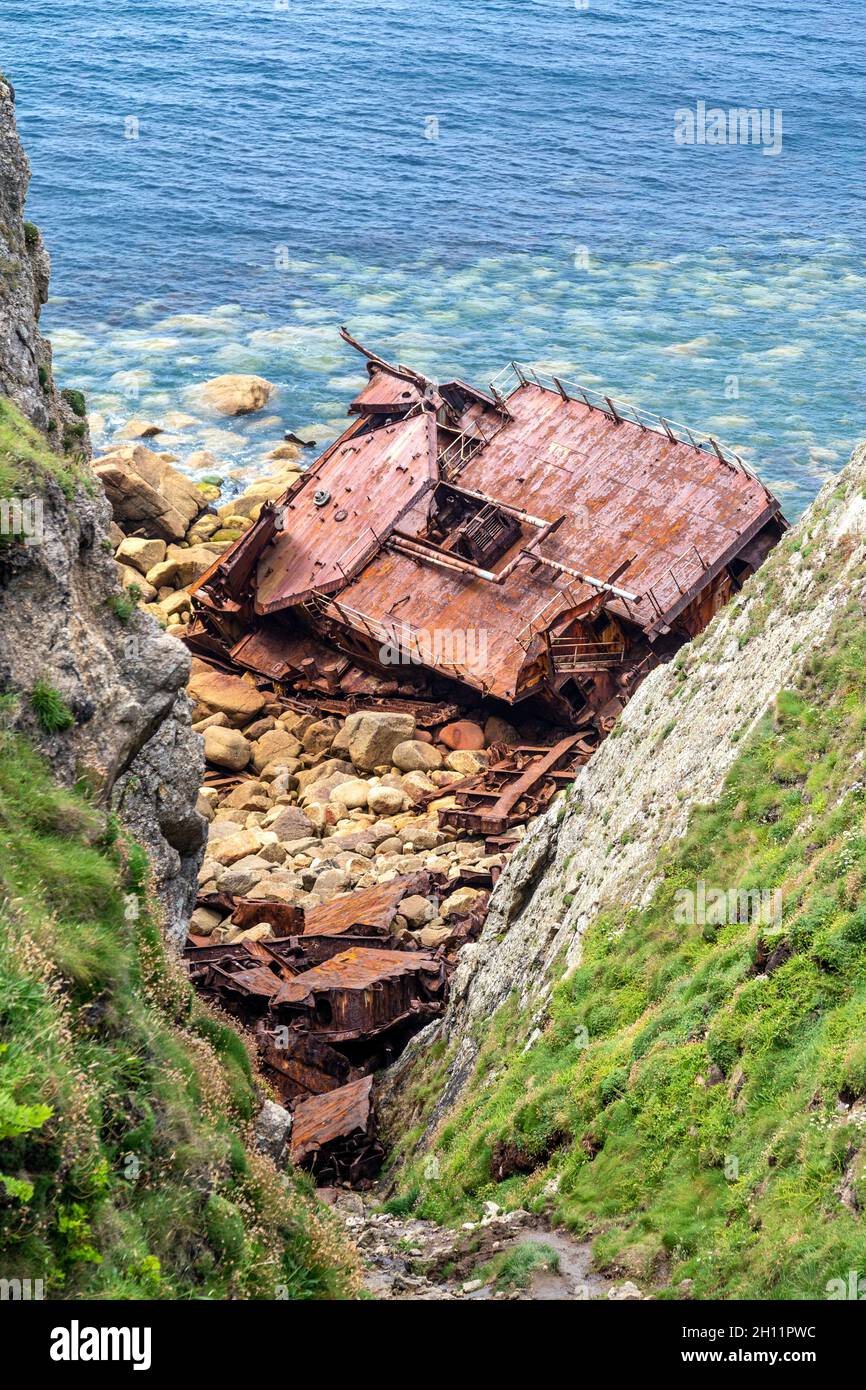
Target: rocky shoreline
<point>301,806</point>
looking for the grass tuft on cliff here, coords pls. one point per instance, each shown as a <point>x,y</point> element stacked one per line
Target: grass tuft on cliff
<point>26,461</point>
<point>126,1169</point>
<point>696,1103</point>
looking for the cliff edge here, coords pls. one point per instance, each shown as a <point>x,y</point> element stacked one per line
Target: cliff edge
<point>657,1038</point>
<point>66,633</point>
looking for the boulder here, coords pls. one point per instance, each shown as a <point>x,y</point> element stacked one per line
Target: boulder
<point>260,932</point>
<point>372,736</point>
<point>497,730</point>
<point>175,603</point>
<point>183,565</point>
<point>249,502</point>
<point>330,882</point>
<point>236,882</point>
<point>146,493</point>
<point>141,554</point>
<point>418,911</point>
<point>236,394</point>
<point>236,698</point>
<point>311,775</point>
<point>320,792</point>
<point>320,735</point>
<point>203,529</point>
<point>132,579</point>
<point>227,748</point>
<point>203,921</point>
<point>432,937</point>
<point>274,746</point>
<point>462,734</point>
<point>260,727</point>
<point>249,795</point>
<point>234,847</point>
<point>385,801</point>
<point>222,828</point>
<point>273,1128</point>
<point>416,786</point>
<point>139,429</point>
<point>468,762</point>
<point>286,451</point>
<point>460,902</point>
<point>353,794</point>
<point>414,755</point>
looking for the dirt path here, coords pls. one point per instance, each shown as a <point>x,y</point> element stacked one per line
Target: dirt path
<point>504,1256</point>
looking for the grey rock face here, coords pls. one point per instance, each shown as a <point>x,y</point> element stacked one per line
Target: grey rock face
<point>675,743</point>
<point>25,356</point>
<point>273,1128</point>
<point>132,741</point>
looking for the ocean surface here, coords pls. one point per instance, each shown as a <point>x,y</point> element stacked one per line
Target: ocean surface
<point>222,183</point>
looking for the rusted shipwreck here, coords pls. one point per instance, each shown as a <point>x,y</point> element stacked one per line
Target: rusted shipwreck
<point>329,1000</point>
<point>534,542</point>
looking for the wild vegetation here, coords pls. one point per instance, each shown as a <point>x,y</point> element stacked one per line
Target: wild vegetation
<point>126,1163</point>
<point>696,1102</point>
<point>27,463</point>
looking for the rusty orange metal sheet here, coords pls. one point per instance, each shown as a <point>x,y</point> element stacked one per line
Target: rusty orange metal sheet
<point>343,508</point>
<point>365,907</point>
<point>278,652</point>
<point>625,492</point>
<point>335,1115</point>
<point>386,392</point>
<point>356,969</point>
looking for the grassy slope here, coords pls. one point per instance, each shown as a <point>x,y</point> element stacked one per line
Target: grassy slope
<point>26,460</point>
<point>124,1103</point>
<point>735,1184</point>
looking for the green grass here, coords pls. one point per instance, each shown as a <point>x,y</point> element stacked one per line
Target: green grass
<point>50,708</point>
<point>76,402</point>
<point>125,1104</point>
<point>694,1110</point>
<point>124,605</point>
<point>514,1268</point>
<point>26,462</point>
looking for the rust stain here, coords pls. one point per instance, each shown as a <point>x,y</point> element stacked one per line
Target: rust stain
<point>581,538</point>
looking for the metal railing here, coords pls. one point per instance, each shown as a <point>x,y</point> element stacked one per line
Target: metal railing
<point>559,602</point>
<point>683,574</point>
<point>407,643</point>
<point>458,452</point>
<point>358,552</point>
<point>568,655</point>
<point>518,374</point>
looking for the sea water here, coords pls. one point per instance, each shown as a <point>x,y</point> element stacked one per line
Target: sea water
<point>222,183</point>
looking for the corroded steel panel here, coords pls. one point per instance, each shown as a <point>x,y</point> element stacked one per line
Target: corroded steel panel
<point>337,1115</point>
<point>373,907</point>
<point>345,505</point>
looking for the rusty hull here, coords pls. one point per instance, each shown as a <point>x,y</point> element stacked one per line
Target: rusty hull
<point>583,540</point>
<point>362,993</point>
<point>334,1135</point>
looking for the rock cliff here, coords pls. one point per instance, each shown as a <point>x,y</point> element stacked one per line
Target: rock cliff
<point>670,754</point>
<point>63,623</point>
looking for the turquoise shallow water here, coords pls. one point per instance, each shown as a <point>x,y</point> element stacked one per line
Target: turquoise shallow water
<point>282,182</point>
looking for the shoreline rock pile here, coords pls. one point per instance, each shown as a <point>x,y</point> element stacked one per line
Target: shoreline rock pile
<point>312,808</point>
<point>168,530</point>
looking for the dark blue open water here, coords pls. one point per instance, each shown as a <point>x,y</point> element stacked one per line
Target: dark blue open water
<point>284,181</point>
